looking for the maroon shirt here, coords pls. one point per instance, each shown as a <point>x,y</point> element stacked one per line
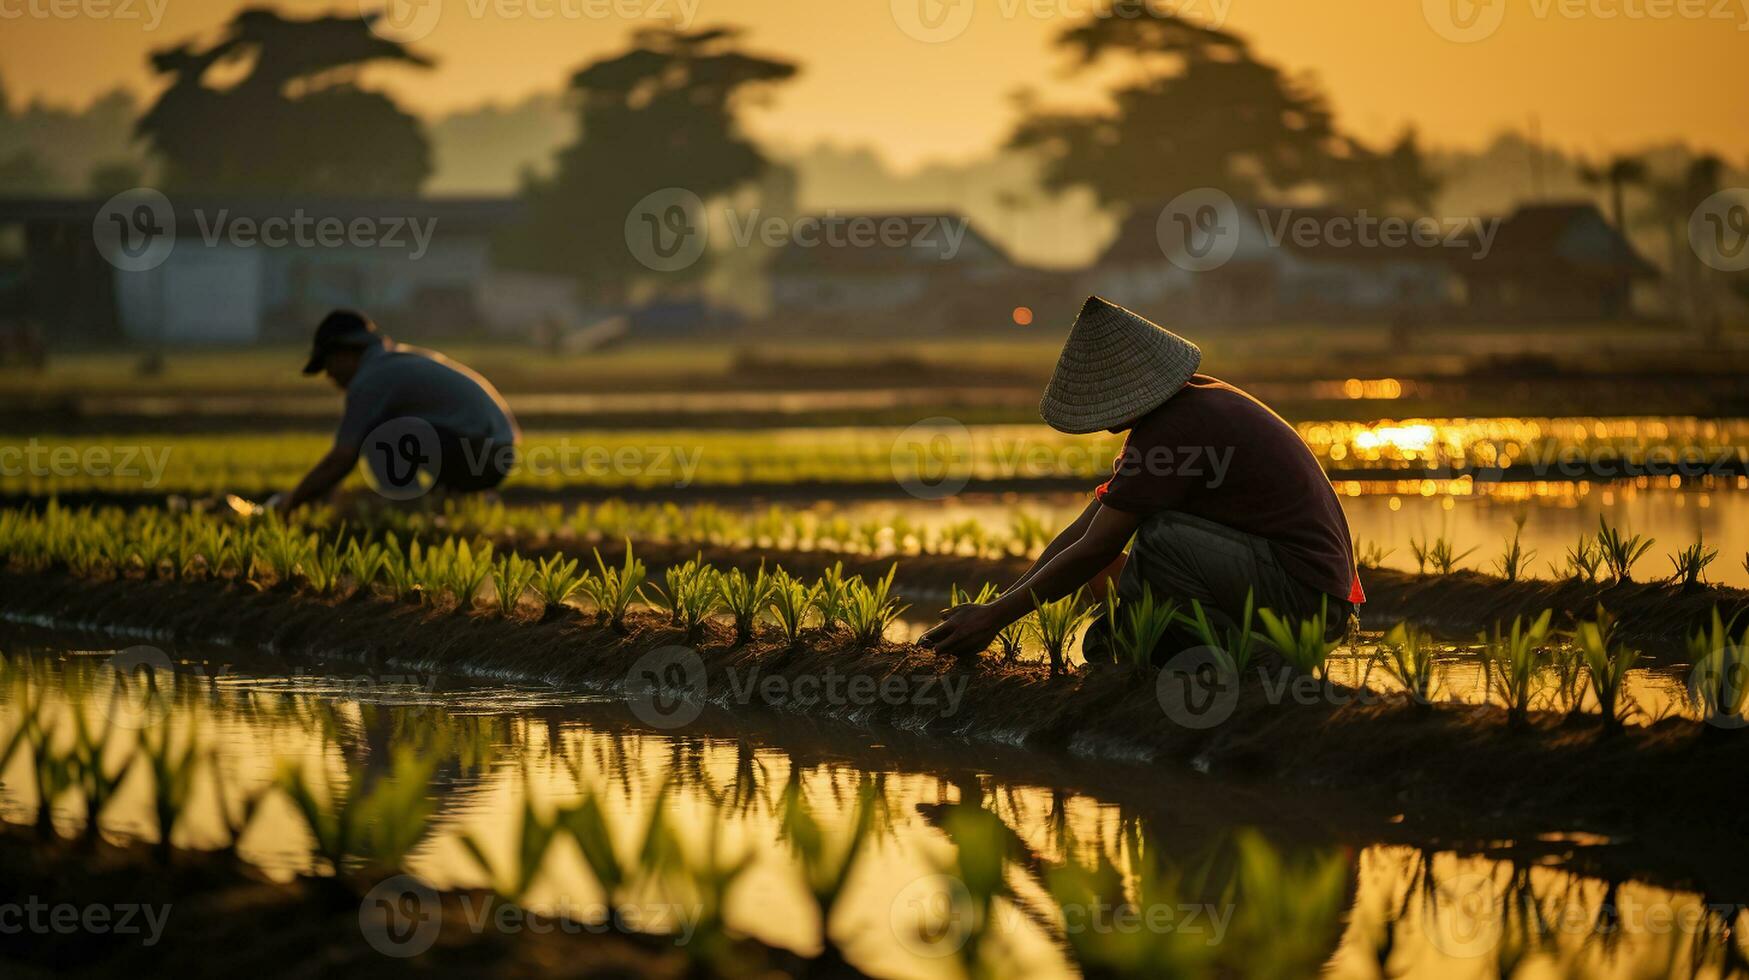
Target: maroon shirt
<point>1217,453</point>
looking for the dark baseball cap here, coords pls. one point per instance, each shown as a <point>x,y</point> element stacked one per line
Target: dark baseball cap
<point>341,330</point>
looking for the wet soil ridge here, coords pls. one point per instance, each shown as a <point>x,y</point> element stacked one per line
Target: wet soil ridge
<point>1548,772</point>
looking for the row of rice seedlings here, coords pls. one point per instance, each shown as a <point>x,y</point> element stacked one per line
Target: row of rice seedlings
<point>1440,553</point>
<point>380,820</point>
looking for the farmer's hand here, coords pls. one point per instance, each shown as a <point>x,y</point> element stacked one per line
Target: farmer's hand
<point>965,631</point>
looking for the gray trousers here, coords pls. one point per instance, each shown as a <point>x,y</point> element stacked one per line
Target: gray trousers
<point>1183,557</point>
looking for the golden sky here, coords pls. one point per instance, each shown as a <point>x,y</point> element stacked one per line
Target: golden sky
<point>1600,74</point>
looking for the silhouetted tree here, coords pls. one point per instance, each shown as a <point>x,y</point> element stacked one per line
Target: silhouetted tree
<point>1197,109</point>
<point>662,115</point>
<point>296,122</point>
<point>1620,172</point>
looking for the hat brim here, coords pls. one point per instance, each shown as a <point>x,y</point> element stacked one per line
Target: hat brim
<point>1115,368</point>
<point>316,361</point>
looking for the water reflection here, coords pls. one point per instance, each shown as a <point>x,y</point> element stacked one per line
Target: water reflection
<point>907,872</point>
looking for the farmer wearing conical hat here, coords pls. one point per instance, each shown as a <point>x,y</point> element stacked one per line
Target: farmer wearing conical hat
<point>1221,496</point>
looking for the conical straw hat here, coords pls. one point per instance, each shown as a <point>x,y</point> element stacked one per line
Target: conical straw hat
<point>1115,368</point>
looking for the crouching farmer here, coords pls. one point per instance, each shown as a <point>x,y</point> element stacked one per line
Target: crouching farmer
<point>421,421</point>
<point>1221,496</point>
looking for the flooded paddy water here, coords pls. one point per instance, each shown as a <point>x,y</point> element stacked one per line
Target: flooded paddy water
<point>1187,854</point>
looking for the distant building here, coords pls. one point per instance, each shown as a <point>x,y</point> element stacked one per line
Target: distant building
<point>1278,273</point>
<point>1542,263</point>
<point>1555,262</point>
<point>248,269</point>
<point>920,271</point>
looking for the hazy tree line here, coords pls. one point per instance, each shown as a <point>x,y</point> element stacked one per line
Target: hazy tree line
<point>1195,107</point>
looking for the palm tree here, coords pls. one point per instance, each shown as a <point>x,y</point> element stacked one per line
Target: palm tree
<point>1622,171</point>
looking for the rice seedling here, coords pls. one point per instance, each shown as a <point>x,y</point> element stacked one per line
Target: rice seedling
<point>1291,906</point>
<point>52,770</point>
<point>690,596</point>
<point>511,576</point>
<point>1138,625</point>
<point>280,552</point>
<point>93,775</point>
<point>173,770</point>
<point>1718,683</point>
<point>744,597</point>
<point>1690,564</point>
<point>1056,623</point>
<point>613,589</point>
<point>401,569</point>
<point>322,569</point>
<point>1300,642</point>
<point>1027,533</point>
<point>463,570</point>
<point>1078,884</point>
<point>365,563</point>
<point>236,817</point>
<point>588,826</point>
<point>1583,559</point>
<point>1511,660</point>
<point>535,837</point>
<point>555,581</point>
<point>831,597</point>
<point>1620,551</point>
<point>1443,558</point>
<point>869,610</point>
<point>826,868</point>
<point>1371,554</point>
<point>1607,664</point>
<point>1567,666</point>
<point>1420,548</point>
<point>1237,642</point>
<point>789,603</point>
<point>1513,562</point>
<point>381,825</point>
<point>1406,654</point>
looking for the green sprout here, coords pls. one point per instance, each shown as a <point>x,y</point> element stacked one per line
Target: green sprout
<point>1511,659</point>
<point>1619,551</point>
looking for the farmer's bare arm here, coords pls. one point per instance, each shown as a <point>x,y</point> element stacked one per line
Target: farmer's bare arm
<point>967,629</point>
<point>1066,537</point>
<point>323,477</point>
